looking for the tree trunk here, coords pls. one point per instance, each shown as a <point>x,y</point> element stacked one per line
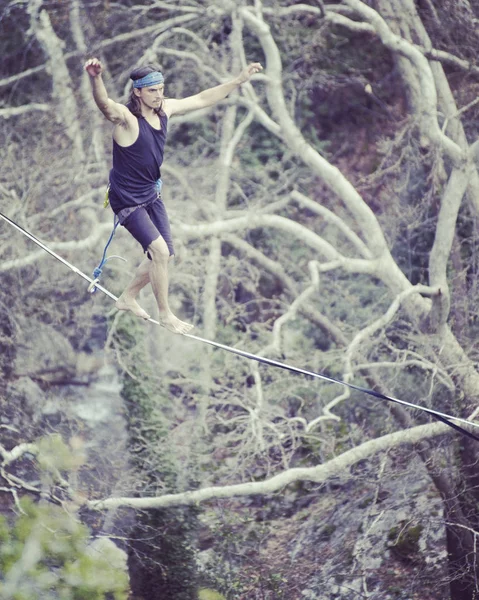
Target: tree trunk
<point>403,18</point>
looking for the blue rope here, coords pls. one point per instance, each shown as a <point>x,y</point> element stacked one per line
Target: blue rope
<point>98,271</point>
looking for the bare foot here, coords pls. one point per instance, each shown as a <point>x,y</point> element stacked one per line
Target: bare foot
<point>124,303</point>
<point>173,324</point>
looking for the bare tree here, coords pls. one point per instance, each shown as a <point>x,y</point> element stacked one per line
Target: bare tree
<point>293,251</point>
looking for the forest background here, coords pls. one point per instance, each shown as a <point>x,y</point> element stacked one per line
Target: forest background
<point>324,215</point>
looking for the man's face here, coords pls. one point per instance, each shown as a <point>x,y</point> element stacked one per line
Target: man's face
<point>151,96</point>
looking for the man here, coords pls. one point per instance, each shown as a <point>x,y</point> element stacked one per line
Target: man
<point>139,138</point>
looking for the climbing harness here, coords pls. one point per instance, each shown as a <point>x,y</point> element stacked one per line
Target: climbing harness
<point>116,221</point>
<point>449,420</point>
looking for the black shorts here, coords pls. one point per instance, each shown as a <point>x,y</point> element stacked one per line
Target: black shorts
<point>147,223</point>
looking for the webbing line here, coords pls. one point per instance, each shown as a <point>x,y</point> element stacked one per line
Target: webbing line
<point>443,417</point>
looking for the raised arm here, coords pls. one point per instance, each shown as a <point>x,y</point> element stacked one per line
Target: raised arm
<point>212,95</point>
<point>113,111</point>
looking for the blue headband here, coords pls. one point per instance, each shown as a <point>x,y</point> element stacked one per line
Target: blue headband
<point>152,78</point>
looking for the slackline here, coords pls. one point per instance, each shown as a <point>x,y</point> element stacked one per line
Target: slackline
<point>449,420</point>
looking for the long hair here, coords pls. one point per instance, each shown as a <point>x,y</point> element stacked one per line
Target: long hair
<point>133,101</point>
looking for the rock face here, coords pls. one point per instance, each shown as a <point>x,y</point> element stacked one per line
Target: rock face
<point>43,352</point>
<point>88,414</point>
<point>372,537</point>
<point>371,541</point>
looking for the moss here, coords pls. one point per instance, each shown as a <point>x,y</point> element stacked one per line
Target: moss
<point>209,594</point>
<point>395,589</point>
<point>161,556</point>
<point>327,532</point>
<point>404,541</point>
<point>366,502</point>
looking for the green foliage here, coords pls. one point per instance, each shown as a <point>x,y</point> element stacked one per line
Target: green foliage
<point>53,454</point>
<point>45,553</point>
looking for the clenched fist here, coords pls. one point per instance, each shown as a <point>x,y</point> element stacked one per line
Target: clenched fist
<point>93,67</point>
<point>249,71</point>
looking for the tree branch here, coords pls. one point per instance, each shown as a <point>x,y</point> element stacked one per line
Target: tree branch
<point>427,119</point>
<point>380,323</point>
<point>62,88</point>
<point>317,474</point>
<point>275,345</point>
<point>443,240</point>
<point>252,221</point>
<point>339,223</point>
<point>6,113</point>
<point>16,452</point>
<point>330,174</point>
<point>275,268</point>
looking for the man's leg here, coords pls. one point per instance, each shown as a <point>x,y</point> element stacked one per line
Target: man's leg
<point>127,301</point>
<point>158,274</point>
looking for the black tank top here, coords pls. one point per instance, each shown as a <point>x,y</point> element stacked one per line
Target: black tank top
<point>136,168</point>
